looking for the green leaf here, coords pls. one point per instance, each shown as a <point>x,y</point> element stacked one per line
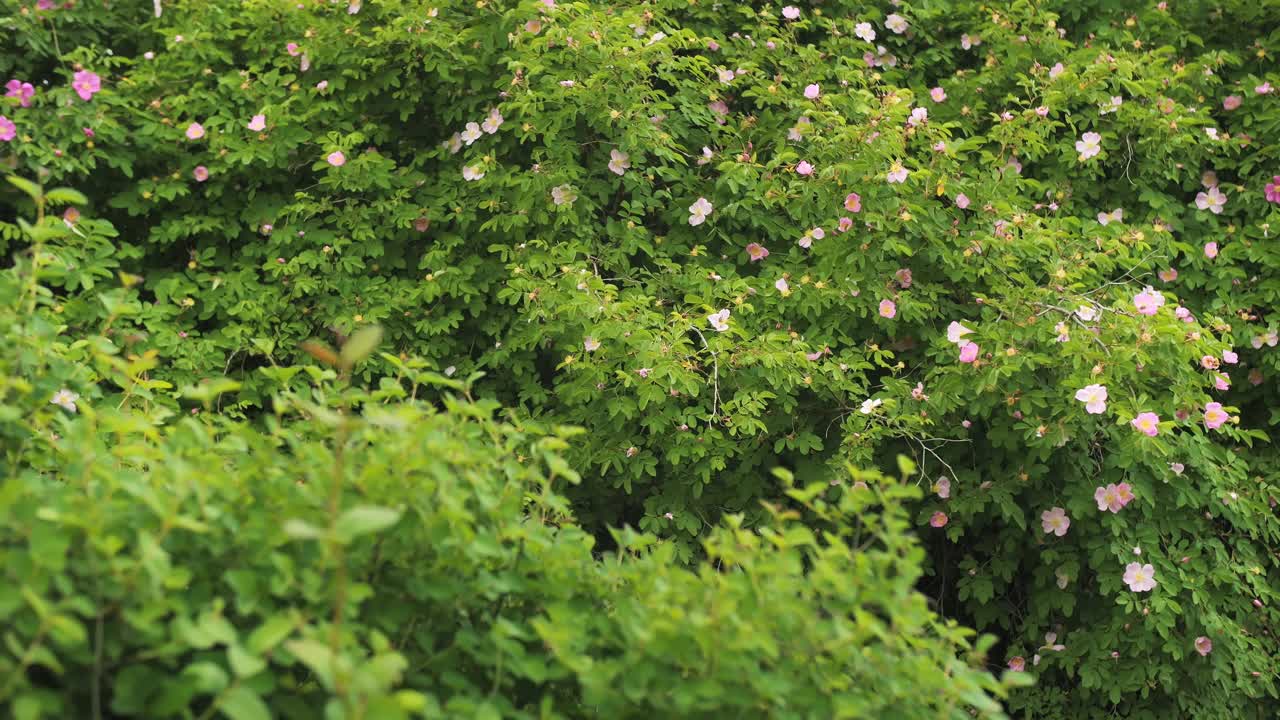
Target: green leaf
<point>65,196</point>
<point>25,186</point>
<point>244,664</point>
<point>241,703</point>
<point>364,520</point>
<point>316,656</point>
<point>360,345</point>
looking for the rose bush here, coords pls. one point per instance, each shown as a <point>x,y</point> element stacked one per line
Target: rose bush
<point>1027,245</point>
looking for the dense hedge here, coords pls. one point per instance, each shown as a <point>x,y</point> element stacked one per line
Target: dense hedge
<point>1027,244</point>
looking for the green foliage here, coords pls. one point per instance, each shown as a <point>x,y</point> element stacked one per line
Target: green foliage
<point>383,558</point>
<point>577,295</point>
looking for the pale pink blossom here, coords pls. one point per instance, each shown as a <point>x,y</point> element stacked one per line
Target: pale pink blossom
<point>725,76</point>
<point>1094,397</point>
<point>1213,200</point>
<point>962,201</point>
<point>257,123</point>
<point>1055,521</point>
<point>492,121</point>
<point>1089,145</point>
<point>1263,89</point>
<point>719,320</point>
<point>888,309</point>
<point>8,130</point>
<point>1210,248</point>
<point>791,12</point>
<point>783,286</point>
<point>1108,498</point>
<point>1204,645</point>
<point>1056,70</point>
<point>1086,313</point>
<point>1116,215</point>
<point>1230,357</point>
<point>1214,415</point>
<point>853,203</point>
<point>471,173</point>
<point>1140,578</point>
<point>1017,663</point>
<point>1231,102</point>
<point>844,225</point>
<point>943,487</point>
<point>1148,301</point>
<point>699,211</point>
<point>938,94</point>
<point>969,352</point>
<point>201,173</point>
<point>919,116</point>
<point>938,519</point>
<point>336,158</point>
<point>804,168</point>
<point>896,23</point>
<point>864,31</point>
<point>1168,275</point>
<point>292,49</point>
<point>65,399</point>
<point>897,173</point>
<point>757,252</point>
<point>1147,423</point>
<point>618,162</point>
<point>812,91</point>
<point>195,131</point>
<point>590,344</point>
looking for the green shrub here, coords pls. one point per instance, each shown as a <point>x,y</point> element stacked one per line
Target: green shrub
<point>382,558</point>
<point>584,295</point>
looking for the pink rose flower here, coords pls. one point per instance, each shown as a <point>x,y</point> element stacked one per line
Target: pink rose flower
<point>938,94</point>
<point>195,131</point>
<point>86,84</point>
<point>938,519</point>
<point>1148,301</point>
<point>23,91</point>
<point>8,130</point>
<point>757,252</point>
<point>962,201</point>
<point>804,168</point>
<point>1272,190</point>
<point>1140,578</point>
<point>812,91</point>
<point>336,158</point>
<point>1094,397</point>
<point>1204,645</point>
<point>888,309</point>
<point>1055,521</point>
<point>257,123</point>
<point>853,202</point>
<point>1147,423</point>
<point>969,352</point>
<point>1214,415</point>
<point>1231,102</point>
<point>201,173</point>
